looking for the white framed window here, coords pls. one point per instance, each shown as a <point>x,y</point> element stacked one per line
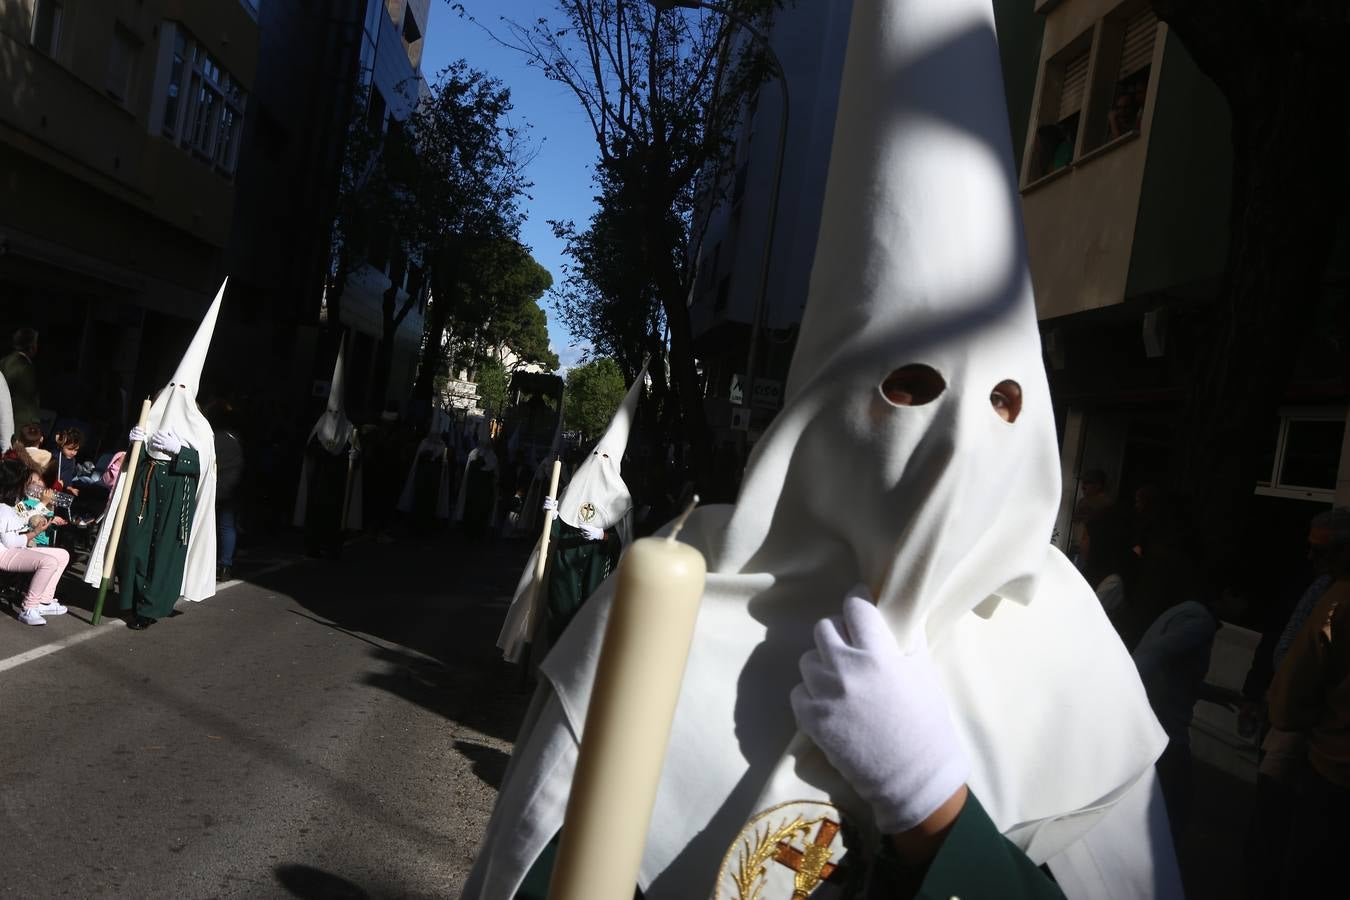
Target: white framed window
<point>1303,456</point>
<point>48,17</point>
<point>203,103</point>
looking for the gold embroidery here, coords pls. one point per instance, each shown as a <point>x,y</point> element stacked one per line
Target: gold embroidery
<point>587,512</point>
<point>753,868</point>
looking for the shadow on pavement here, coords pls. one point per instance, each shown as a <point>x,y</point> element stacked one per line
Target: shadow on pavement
<point>310,883</point>
<point>431,609</point>
<point>489,763</point>
<point>1210,850</point>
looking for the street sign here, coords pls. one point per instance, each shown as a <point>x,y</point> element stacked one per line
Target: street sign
<point>768,392</point>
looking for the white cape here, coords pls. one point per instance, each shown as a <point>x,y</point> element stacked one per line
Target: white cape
<point>7,426</point>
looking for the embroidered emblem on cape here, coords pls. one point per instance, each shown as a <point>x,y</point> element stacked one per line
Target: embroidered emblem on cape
<point>793,851</point>
<point>587,512</point>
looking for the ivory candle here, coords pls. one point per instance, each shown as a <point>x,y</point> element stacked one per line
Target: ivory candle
<point>623,746</point>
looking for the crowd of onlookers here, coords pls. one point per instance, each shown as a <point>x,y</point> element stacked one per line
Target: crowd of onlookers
<point>1140,559</point>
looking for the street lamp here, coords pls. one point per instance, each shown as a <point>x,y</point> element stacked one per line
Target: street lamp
<point>761,301</point>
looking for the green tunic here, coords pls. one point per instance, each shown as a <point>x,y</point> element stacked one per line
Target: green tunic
<point>480,492</point>
<point>575,571</point>
<point>155,535</point>
<point>975,862</point>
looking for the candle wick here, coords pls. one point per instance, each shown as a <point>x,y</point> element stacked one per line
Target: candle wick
<point>684,516</point>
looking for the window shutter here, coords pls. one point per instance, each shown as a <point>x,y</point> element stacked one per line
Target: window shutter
<point>1075,81</point>
<point>1138,51</point>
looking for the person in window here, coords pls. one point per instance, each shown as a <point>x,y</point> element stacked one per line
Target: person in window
<point>1124,115</point>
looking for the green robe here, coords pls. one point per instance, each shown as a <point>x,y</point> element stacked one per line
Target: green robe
<point>576,569</point>
<point>155,534</point>
<point>480,493</point>
<point>975,862</point>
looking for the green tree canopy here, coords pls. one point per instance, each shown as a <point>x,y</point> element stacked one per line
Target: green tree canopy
<point>594,392</point>
<point>492,387</point>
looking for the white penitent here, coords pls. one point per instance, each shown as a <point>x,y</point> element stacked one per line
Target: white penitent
<point>336,434</point>
<point>915,454</point>
<point>7,426</point>
<point>596,497</point>
<point>175,410</point>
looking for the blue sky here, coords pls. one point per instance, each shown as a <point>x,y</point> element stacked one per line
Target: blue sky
<point>561,171</point>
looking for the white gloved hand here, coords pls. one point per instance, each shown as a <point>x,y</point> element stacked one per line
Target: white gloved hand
<point>137,434</point>
<point>592,533</point>
<point>879,716</point>
<point>550,504</point>
<point>166,442</point>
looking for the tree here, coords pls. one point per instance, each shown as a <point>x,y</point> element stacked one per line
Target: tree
<point>492,387</point>
<point>490,292</point>
<point>468,178</point>
<point>663,91</point>
<point>594,392</point>
<point>1282,68</point>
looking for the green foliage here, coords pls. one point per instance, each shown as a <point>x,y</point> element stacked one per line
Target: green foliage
<point>492,387</point>
<point>491,287</point>
<point>594,392</point>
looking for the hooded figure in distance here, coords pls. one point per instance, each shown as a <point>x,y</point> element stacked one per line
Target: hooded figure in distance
<point>330,477</point>
<point>915,464</point>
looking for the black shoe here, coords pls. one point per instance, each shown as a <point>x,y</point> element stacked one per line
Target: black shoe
<point>224,573</point>
<point>140,623</point>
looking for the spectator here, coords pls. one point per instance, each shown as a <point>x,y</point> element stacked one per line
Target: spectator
<point>29,436</point>
<point>1092,502</point>
<point>1173,658</point>
<point>1310,695</point>
<point>18,553</point>
<point>69,441</point>
<point>21,376</point>
<point>229,475</point>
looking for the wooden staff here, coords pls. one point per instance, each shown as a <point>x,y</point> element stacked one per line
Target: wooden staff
<point>659,586</point>
<point>539,589</point>
<point>115,538</point>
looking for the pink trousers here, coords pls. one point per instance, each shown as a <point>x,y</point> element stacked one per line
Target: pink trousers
<point>46,564</point>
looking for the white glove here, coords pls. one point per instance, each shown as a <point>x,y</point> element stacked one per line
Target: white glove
<point>592,533</point>
<point>550,504</point>
<point>879,716</point>
<point>166,442</point>
<point>137,434</point>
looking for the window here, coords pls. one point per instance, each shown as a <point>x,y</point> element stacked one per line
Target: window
<point>1063,92</point>
<point>376,112</point>
<point>48,16</point>
<point>1306,457</point>
<point>412,39</point>
<point>723,293</point>
<point>203,103</point>
<point>123,52</point>
<point>1135,37</point>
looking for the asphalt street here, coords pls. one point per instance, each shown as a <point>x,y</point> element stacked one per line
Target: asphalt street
<point>317,730</point>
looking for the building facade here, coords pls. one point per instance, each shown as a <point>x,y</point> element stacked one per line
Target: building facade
<point>120,140</point>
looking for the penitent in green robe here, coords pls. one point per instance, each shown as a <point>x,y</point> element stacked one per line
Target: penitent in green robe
<point>975,862</point>
<point>155,534</point>
<point>576,570</point>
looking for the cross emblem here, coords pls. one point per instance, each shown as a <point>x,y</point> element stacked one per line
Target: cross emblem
<point>587,512</point>
<point>812,865</point>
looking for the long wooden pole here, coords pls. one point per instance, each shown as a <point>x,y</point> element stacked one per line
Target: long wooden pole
<point>539,590</point>
<point>115,538</point>
<point>347,491</point>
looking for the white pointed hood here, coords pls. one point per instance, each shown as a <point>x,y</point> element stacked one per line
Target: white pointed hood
<point>334,429</point>
<point>7,427</point>
<point>175,409</point>
<point>942,507</point>
<point>597,494</point>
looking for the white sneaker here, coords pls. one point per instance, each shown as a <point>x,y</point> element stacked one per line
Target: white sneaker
<point>52,608</point>
<point>31,617</point>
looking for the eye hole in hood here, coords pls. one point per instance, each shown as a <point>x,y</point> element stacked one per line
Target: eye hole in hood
<point>913,385</point>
